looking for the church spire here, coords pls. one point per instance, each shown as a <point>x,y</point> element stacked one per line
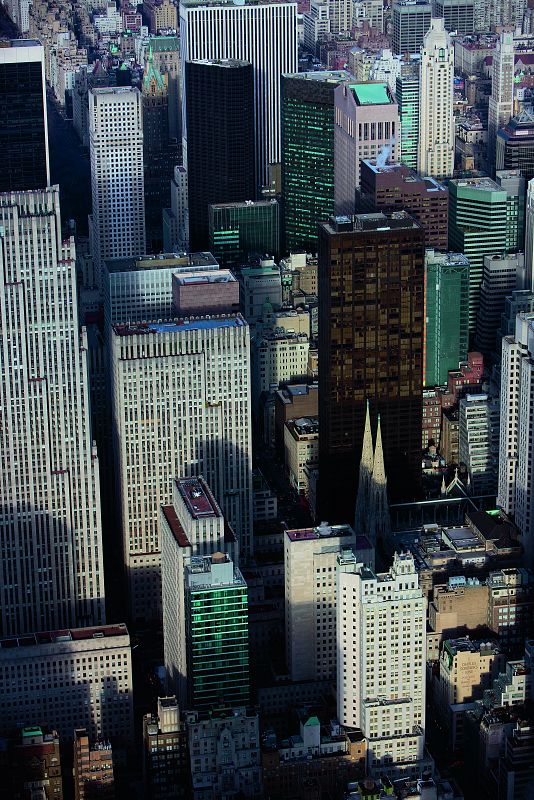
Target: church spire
<point>379,520</point>
<point>366,469</point>
<point>379,471</point>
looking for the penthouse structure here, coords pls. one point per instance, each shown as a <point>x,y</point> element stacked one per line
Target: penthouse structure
<point>89,666</point>
<point>181,406</point>
<point>392,187</point>
<point>164,733</point>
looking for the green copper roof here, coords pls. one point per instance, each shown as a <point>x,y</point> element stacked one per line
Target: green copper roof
<point>371,94</point>
<point>152,73</point>
<point>312,722</point>
<point>164,44</point>
<point>32,731</point>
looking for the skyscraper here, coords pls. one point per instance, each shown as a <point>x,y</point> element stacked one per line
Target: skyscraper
<point>308,155</point>
<point>514,185</point>
<point>436,122</point>
<point>220,152</point>
<point>241,230</point>
<point>501,276</point>
<point>181,406</point>
<point>50,531</point>
<point>371,272</point>
<point>117,184</point>
<point>263,33</point>
<point>407,93</point>
<point>515,145</point>
<point>516,464</point>
<point>411,21</point>
<point>23,123</point>
<point>458,15</point>
<point>446,314</point>
<point>366,126</point>
<point>501,101</point>
<point>478,222</point>
<point>381,662</point>
<point>478,441</point>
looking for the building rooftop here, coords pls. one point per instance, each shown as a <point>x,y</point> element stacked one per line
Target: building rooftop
<point>405,174</point>
<point>187,324</point>
<point>204,3</point>
<point>198,498</point>
<point>465,645</point>
<point>182,260</point>
<point>175,526</point>
<point>321,76</point>
<point>66,635</point>
<point>322,531</point>
<point>213,276</point>
<point>483,184</point>
<point>20,43</point>
<point>228,63</point>
<point>303,426</point>
<point>372,94</point>
<point>246,204</point>
<point>379,221</point>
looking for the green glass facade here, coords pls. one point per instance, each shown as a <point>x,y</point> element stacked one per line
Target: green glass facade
<point>217,644</point>
<point>240,230</point>
<point>307,155</point>
<point>478,226</point>
<point>446,314</point>
<point>407,93</point>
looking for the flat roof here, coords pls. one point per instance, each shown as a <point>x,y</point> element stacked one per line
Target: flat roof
<point>323,531</point>
<point>198,498</point>
<point>321,76</point>
<point>371,94</point>
<point>186,324</point>
<point>65,635</point>
<point>161,261</point>
<point>175,526</point>
<point>213,276</point>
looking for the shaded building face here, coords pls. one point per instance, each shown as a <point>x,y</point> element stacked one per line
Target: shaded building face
<point>23,141</point>
<point>371,298</point>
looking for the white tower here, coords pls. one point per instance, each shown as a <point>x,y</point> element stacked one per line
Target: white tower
<point>117,183</point>
<point>501,101</point>
<point>529,238</point>
<point>516,461</point>
<point>50,533</point>
<point>381,661</point>
<point>436,84</point>
<point>263,33</point>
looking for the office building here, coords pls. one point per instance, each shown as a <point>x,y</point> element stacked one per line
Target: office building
<point>395,187</point>
<point>188,380</point>
<point>378,357</point>
<point>478,226</point>
<point>176,218</point>
<point>528,278</point>
<point>93,768</point>
<point>500,277</point>
<point>386,68</point>
<point>263,33</point>
<point>516,467</point>
<point>239,231</point>
<point>23,123</point>
<point>366,126</point>
<point>192,525</point>
<point>407,94</point>
<point>89,666</point>
<point>316,23</point>
<point>292,402</point>
<point>411,21</point>
<point>514,185</point>
<point>32,765</point>
<point>515,145</point>
<point>478,442</point>
<point>310,560</point>
<point>446,314</point>
<point>224,748</point>
<point>220,156</point>
<point>165,756</point>
<point>278,358</point>
<point>501,101</point>
<point>159,153</point>
<point>458,15</point>
<point>165,52</point>
<point>381,627</point>
<point>117,183</point>
<point>308,155</point>
<point>260,285</point>
<point>160,15</point>
<point>301,446</point>
<point>436,122</point>
<point>216,631</point>
<point>49,490</point>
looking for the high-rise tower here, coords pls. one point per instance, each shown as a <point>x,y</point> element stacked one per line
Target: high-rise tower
<point>117,185</point>
<point>51,548</point>
<point>436,122</point>
<point>23,124</point>
<point>501,101</point>
<point>220,153</point>
<point>371,271</point>
<point>263,32</point>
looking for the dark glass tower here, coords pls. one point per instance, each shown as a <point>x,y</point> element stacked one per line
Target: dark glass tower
<point>371,321</point>
<point>307,155</point>
<point>220,139</point>
<point>23,128</point>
